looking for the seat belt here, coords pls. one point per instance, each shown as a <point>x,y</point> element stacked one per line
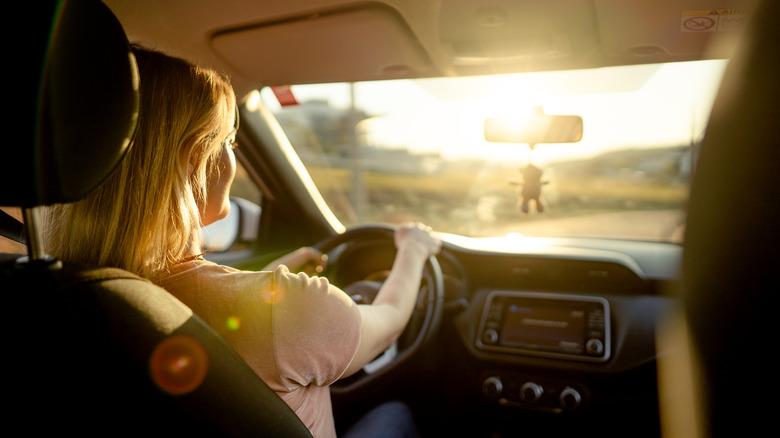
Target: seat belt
<point>12,228</point>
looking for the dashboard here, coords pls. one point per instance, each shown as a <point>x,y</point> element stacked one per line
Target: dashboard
<point>560,332</point>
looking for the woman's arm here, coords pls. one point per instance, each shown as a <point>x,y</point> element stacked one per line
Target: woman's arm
<point>306,259</point>
<point>383,320</point>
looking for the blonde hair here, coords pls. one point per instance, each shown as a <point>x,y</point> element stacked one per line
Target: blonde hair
<point>147,214</point>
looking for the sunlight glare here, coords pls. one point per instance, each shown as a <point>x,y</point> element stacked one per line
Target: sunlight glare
<point>628,107</point>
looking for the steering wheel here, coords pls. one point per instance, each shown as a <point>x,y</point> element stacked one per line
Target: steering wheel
<point>425,319</point>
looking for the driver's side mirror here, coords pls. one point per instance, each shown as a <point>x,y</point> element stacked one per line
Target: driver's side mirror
<point>240,226</point>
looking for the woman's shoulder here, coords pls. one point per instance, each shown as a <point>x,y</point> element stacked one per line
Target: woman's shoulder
<point>200,268</point>
<point>297,288</point>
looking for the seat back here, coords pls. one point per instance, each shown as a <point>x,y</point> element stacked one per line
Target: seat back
<point>731,256</point>
<point>98,351</point>
<point>102,352</point>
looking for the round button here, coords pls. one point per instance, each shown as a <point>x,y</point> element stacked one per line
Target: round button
<point>490,336</point>
<point>594,346</point>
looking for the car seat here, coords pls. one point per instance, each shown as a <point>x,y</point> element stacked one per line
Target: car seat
<point>725,340</point>
<point>97,350</point>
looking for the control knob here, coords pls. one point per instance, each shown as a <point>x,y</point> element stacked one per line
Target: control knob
<point>492,387</point>
<point>570,399</point>
<point>531,392</point>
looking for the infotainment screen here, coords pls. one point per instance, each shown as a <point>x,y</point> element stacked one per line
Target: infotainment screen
<point>552,328</point>
<point>546,324</point>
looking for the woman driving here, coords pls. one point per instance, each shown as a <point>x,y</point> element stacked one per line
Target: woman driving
<point>299,333</point>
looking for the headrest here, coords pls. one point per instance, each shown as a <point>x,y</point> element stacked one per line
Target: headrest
<point>83,109</point>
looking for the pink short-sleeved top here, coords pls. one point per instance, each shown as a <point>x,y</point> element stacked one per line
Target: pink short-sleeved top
<point>298,333</point>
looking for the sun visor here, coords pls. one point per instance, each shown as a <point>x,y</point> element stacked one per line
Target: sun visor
<point>506,36</point>
<point>667,30</point>
<point>369,43</point>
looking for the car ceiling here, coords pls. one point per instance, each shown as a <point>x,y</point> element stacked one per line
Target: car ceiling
<point>280,42</point>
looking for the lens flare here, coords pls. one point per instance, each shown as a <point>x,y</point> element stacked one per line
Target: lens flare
<point>233,323</point>
<point>179,364</point>
<point>273,295</point>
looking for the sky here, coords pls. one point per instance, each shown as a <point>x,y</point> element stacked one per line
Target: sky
<point>636,106</point>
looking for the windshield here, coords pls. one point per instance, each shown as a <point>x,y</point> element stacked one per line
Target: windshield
<point>389,151</point>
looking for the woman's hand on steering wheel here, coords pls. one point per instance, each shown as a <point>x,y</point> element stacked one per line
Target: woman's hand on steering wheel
<point>418,237</point>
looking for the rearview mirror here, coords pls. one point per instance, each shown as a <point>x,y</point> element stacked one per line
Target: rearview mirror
<point>535,129</point>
